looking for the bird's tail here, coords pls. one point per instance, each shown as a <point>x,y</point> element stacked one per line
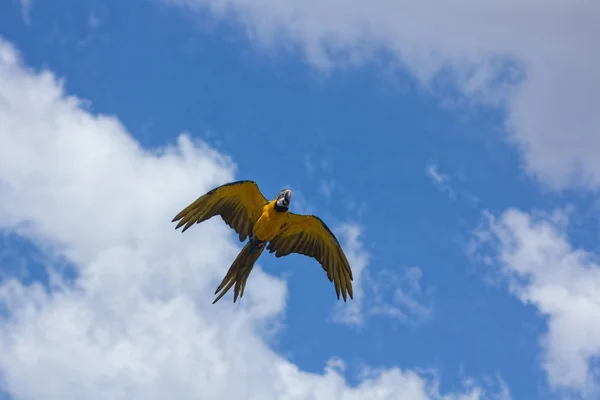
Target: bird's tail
<point>239,271</point>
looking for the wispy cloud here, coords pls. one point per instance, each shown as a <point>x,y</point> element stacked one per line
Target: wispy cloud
<point>449,185</point>
<point>322,170</point>
<point>396,294</point>
<point>358,208</point>
<point>26,11</point>
<point>435,175</point>
<point>94,21</point>
<point>441,181</point>
<point>300,204</point>
<point>308,164</point>
<point>326,187</point>
<point>320,164</point>
<point>409,301</point>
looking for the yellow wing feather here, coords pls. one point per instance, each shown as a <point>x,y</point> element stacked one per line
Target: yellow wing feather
<point>238,203</point>
<point>310,236</point>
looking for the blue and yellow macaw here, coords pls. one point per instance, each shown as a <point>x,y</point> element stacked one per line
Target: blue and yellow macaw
<point>244,208</point>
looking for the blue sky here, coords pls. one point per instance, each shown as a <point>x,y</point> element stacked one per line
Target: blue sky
<point>408,169</point>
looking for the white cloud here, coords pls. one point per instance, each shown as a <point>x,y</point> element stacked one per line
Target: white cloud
<point>549,46</point>
<point>308,164</point>
<point>358,208</point>
<point>440,180</point>
<point>301,204</point>
<point>326,187</point>
<point>94,21</point>
<point>350,237</point>
<point>387,293</point>
<point>26,10</point>
<point>449,185</point>
<point>137,320</point>
<point>436,176</point>
<point>410,301</point>
<point>543,269</point>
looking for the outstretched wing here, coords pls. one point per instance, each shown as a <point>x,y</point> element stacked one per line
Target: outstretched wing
<point>238,203</point>
<point>308,235</point>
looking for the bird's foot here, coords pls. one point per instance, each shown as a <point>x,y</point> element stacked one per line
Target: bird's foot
<point>256,243</point>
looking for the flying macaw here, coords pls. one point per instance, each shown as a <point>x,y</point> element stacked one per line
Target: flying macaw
<point>244,208</point>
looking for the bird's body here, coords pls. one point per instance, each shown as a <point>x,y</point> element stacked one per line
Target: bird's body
<point>243,207</point>
<point>269,223</point>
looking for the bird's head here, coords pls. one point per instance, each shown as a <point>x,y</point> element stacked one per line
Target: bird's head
<point>283,198</point>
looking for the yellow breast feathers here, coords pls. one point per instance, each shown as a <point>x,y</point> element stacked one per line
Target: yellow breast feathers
<point>269,223</point>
